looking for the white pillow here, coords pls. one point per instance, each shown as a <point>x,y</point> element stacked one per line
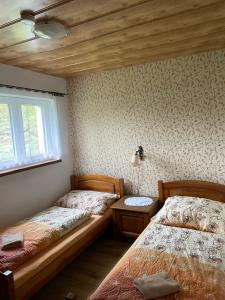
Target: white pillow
<point>93,202</point>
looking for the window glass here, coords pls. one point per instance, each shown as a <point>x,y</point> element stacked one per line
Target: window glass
<point>28,131</point>
<point>6,142</point>
<point>33,130</point>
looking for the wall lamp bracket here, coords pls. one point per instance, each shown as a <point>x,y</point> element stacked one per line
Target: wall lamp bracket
<point>140,152</point>
<point>137,157</point>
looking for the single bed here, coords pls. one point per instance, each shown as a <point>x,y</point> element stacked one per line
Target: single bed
<point>196,259</point>
<point>32,275</point>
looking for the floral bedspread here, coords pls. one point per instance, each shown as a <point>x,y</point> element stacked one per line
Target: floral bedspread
<point>39,232</point>
<point>194,258</point>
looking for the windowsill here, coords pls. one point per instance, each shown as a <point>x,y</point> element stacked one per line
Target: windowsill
<point>28,167</point>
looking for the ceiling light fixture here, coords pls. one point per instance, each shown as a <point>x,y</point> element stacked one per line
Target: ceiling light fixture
<point>27,17</point>
<point>50,30</point>
<point>45,29</point>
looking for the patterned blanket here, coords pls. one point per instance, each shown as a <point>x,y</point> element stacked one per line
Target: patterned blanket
<point>39,232</point>
<point>195,259</point>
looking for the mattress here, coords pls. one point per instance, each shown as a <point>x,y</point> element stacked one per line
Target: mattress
<point>39,232</point>
<point>36,269</point>
<point>194,258</point>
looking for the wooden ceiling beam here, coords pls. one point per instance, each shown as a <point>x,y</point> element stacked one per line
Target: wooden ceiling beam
<point>177,54</point>
<point>144,60</point>
<point>206,29</point>
<point>74,13</point>
<point>112,34</point>
<point>213,41</point>
<point>146,12</point>
<point>10,9</point>
<point>206,15</point>
<point>79,12</point>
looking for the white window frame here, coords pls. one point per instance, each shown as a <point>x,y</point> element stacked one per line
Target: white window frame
<point>48,106</point>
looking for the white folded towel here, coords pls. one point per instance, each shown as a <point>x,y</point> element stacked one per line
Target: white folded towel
<point>157,285</point>
<point>12,240</point>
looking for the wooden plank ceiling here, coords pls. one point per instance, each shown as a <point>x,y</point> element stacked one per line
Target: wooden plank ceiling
<point>107,34</point>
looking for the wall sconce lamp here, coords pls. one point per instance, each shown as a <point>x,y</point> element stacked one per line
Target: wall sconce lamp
<point>138,157</point>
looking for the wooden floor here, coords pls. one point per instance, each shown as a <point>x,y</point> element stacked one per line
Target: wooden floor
<point>86,272</point>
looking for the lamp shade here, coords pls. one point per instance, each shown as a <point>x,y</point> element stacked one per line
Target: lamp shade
<point>50,30</point>
<point>135,160</point>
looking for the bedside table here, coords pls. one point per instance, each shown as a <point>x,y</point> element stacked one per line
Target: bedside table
<point>130,221</point>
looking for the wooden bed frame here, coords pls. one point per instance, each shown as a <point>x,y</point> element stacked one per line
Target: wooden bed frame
<point>87,182</point>
<point>192,188</point>
<point>98,183</point>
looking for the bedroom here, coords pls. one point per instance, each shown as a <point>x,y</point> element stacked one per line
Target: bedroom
<point>123,74</point>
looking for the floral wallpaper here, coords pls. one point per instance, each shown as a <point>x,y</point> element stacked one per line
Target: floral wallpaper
<point>174,108</point>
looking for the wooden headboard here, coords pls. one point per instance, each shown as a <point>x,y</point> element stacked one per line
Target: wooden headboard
<point>194,188</point>
<point>98,183</point>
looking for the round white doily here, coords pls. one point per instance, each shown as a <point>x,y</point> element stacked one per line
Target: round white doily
<point>138,201</point>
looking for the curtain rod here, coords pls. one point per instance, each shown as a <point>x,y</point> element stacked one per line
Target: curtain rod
<point>33,90</point>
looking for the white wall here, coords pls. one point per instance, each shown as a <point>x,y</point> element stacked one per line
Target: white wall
<point>28,192</point>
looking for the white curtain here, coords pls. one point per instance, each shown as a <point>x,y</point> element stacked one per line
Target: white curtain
<point>28,128</point>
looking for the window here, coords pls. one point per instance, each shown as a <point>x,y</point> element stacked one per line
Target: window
<point>28,130</point>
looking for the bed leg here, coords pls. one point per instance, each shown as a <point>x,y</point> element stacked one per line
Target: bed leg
<point>7,290</point>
